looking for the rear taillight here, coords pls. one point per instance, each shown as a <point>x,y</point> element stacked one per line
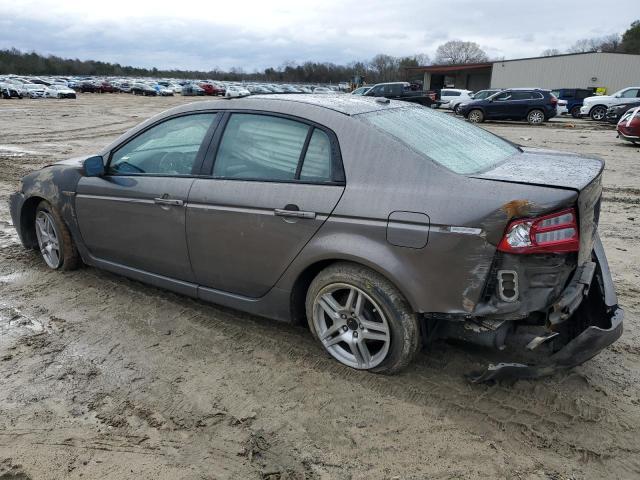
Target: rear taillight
<point>554,100</point>
<point>553,233</point>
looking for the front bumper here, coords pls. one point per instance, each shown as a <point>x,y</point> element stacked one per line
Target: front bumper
<point>584,110</point>
<point>594,321</point>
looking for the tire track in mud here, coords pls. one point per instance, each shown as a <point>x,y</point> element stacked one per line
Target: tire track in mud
<point>537,414</point>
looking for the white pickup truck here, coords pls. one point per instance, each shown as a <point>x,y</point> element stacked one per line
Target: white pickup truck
<point>596,107</point>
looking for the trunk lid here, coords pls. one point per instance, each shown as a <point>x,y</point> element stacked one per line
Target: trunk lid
<point>550,168</point>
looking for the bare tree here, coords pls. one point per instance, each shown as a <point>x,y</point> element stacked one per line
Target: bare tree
<point>608,43</point>
<point>456,52</point>
<point>385,67</point>
<point>549,52</point>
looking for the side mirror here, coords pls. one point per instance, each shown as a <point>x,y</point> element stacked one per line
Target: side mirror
<point>94,166</point>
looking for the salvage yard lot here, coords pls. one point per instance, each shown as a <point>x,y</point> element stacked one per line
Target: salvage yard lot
<point>103,377</point>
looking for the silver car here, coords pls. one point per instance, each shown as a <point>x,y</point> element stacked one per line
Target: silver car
<point>382,225</point>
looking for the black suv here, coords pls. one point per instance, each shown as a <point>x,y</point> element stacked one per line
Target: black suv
<point>531,104</point>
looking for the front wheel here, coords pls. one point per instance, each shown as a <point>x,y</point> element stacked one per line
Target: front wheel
<point>575,112</point>
<point>54,239</point>
<point>456,109</point>
<point>361,319</point>
<point>535,117</point>
<point>598,113</point>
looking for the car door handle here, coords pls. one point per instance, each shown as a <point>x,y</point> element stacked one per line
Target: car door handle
<point>281,212</point>
<point>168,201</point>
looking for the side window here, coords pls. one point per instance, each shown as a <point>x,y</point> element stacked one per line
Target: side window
<point>569,93</point>
<point>518,95</point>
<point>631,93</point>
<point>444,93</point>
<point>454,94</point>
<point>503,96</point>
<point>377,91</point>
<point>169,148</point>
<point>260,147</point>
<point>582,94</point>
<point>317,161</point>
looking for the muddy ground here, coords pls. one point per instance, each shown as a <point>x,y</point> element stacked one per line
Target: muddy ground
<point>102,377</point>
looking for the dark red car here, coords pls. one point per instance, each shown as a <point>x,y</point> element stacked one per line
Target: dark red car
<point>211,89</point>
<point>629,126</point>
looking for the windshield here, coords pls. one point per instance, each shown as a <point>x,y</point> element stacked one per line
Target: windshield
<point>454,144</point>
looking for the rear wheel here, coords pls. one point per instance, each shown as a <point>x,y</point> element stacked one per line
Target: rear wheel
<point>598,113</point>
<point>575,112</point>
<point>456,109</point>
<point>535,117</point>
<point>475,116</point>
<point>54,239</point>
<point>361,319</point>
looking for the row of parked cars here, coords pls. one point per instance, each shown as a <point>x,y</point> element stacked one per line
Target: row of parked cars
<point>67,87</point>
<point>535,105</point>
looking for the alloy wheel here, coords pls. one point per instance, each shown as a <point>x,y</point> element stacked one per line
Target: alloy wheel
<point>48,241</point>
<point>475,116</point>
<point>351,326</point>
<point>598,113</point>
<point>536,117</point>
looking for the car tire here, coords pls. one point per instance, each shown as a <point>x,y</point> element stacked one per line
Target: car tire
<point>475,116</point>
<point>598,113</point>
<point>575,112</point>
<point>372,325</point>
<point>535,117</point>
<point>456,108</point>
<point>54,239</point>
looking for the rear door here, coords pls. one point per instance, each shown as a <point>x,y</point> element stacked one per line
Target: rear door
<point>274,182</point>
<point>135,214</point>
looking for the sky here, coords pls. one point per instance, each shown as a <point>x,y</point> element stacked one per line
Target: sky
<point>253,35</point>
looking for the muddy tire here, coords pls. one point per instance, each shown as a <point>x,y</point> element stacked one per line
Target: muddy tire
<point>361,319</point>
<point>475,116</point>
<point>535,117</point>
<point>54,239</point>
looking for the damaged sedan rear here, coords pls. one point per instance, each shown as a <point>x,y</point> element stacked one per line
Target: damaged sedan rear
<point>381,225</point>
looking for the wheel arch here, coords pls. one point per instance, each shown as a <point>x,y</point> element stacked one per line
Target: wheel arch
<point>28,220</point>
<point>305,276</point>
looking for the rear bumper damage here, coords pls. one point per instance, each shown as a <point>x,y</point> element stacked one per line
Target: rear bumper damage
<point>582,322</point>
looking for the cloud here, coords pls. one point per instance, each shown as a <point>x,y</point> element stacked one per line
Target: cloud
<point>261,34</point>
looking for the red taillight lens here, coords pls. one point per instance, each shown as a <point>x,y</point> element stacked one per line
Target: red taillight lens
<point>554,100</point>
<point>553,233</point>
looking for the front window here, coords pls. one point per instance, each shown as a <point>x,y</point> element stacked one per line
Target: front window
<point>454,144</point>
<point>630,93</point>
<point>169,148</point>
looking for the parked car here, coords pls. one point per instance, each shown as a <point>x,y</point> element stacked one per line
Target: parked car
<point>59,91</point>
<point>9,90</point>
<point>319,90</point>
<point>574,98</point>
<point>479,95</point>
<point>400,91</point>
<point>211,89</point>
<point>87,86</point>
<point>144,89</point>
<point>32,90</point>
<point>275,216</point>
<point>106,87</point>
<point>361,90</point>
<point>562,107</point>
<point>531,104</point>
<point>629,126</point>
<point>163,91</point>
<point>615,112</point>
<point>452,98</point>
<point>234,91</point>
<point>191,89</point>
<point>596,106</point>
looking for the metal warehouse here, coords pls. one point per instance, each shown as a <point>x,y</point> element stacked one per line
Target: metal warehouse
<point>606,72</point>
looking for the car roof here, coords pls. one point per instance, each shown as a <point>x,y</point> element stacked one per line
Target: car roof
<point>345,104</point>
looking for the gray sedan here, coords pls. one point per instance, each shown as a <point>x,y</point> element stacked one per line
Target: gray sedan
<point>382,225</point>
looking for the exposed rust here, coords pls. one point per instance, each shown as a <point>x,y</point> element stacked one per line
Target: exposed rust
<point>517,208</point>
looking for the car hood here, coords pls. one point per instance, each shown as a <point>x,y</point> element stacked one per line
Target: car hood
<point>597,98</point>
<point>543,167</point>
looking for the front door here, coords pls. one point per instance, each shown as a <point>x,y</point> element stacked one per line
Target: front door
<point>274,182</point>
<point>135,214</point>
<point>499,106</point>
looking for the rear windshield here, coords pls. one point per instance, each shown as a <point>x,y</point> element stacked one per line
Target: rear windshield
<point>453,143</point>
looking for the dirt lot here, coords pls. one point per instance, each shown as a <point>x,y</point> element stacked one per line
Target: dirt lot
<point>102,377</point>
